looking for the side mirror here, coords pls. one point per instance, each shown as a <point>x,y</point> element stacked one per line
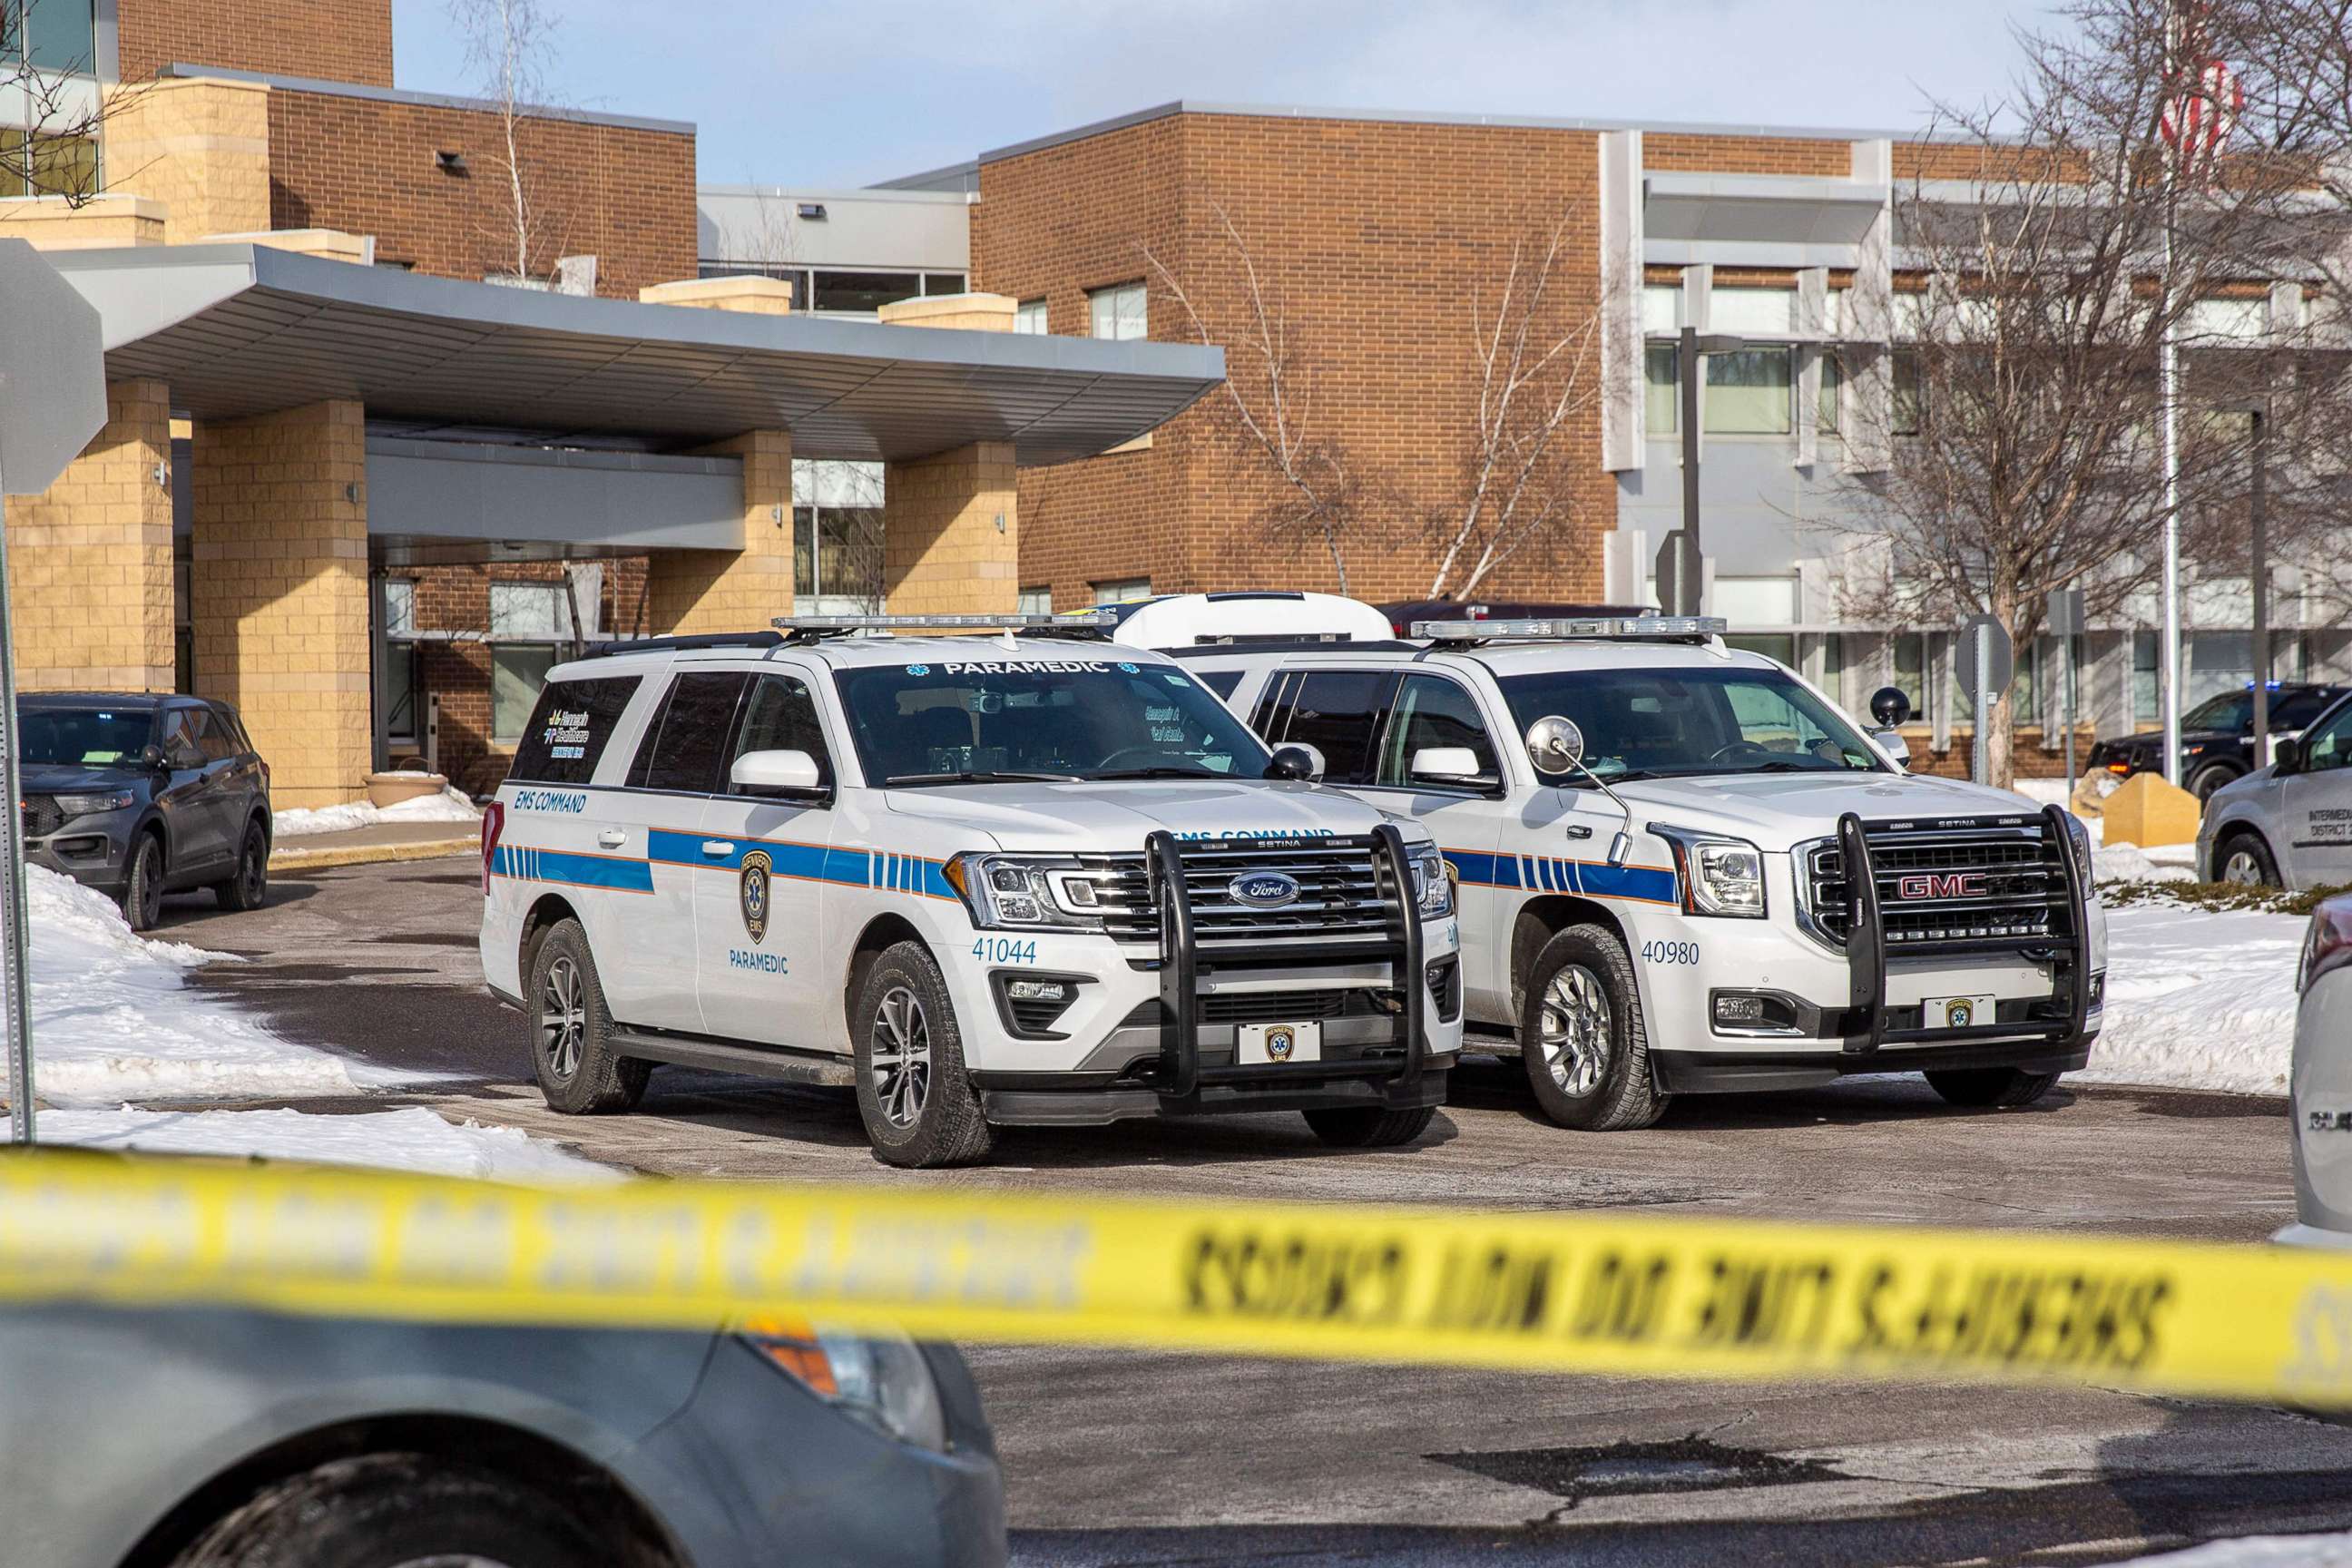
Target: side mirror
<point>1555,746</point>
<point>775,773</point>
<point>1890,706</point>
<point>2286,756</point>
<point>1297,762</point>
<point>150,756</point>
<point>1454,764</point>
<point>1892,742</point>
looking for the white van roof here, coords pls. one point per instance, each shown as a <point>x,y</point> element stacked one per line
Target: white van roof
<point>1196,620</point>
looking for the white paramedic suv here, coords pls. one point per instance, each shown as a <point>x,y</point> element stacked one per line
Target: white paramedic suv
<point>1680,867</point>
<point>984,879</point>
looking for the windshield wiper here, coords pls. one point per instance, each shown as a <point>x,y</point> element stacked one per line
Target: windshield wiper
<point>1164,771</point>
<point>915,780</point>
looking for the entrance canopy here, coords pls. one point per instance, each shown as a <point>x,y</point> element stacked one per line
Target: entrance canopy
<point>238,330</point>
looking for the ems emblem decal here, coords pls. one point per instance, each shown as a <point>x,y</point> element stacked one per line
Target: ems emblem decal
<point>1960,1013</point>
<point>1280,1041</point>
<point>752,893</point>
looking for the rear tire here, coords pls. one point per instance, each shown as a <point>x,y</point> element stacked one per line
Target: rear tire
<point>251,886</point>
<point>2205,785</point>
<point>1581,1037</point>
<point>571,1031</point>
<point>918,1105</point>
<point>143,900</point>
<point>2244,860</point>
<point>1991,1088</point>
<point>1369,1126</point>
<point>396,1511</point>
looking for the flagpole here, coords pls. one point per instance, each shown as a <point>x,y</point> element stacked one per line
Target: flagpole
<point>2167,375</point>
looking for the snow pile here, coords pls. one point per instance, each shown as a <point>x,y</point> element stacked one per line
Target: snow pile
<point>2130,863</point>
<point>414,1140</point>
<point>2199,999</point>
<point>2260,1552</point>
<point>114,1017</point>
<point>450,805</point>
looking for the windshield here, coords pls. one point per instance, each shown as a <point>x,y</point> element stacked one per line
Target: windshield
<point>1029,718</point>
<point>1673,723</point>
<point>2233,712</point>
<point>85,737</point>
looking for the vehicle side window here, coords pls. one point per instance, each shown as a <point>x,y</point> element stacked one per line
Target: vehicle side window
<point>1272,710</point>
<point>1221,681</point>
<point>781,716</point>
<point>686,748</point>
<point>1431,711</point>
<point>2330,745</point>
<point>570,728</point>
<point>226,722</point>
<point>179,735</point>
<point>1338,713</point>
<point>212,737</point>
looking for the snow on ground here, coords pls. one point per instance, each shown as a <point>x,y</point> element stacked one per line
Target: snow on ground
<point>2260,1552</point>
<point>2199,998</point>
<point>447,806</point>
<point>412,1139</point>
<point>114,1017</point>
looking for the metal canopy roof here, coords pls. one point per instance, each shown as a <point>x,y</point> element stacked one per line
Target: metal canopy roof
<point>242,328</point>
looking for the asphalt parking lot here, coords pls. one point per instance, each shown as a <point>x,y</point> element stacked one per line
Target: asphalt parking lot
<point>1119,1458</point>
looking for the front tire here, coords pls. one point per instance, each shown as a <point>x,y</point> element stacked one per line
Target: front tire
<point>2244,861</point>
<point>1586,1050</point>
<point>1991,1088</point>
<point>398,1511</point>
<point>572,1028</point>
<point>250,885</point>
<point>1369,1126</point>
<point>143,900</point>
<point>918,1105</point>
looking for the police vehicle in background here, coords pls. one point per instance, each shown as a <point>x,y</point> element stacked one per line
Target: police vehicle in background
<point>2217,737</point>
<point>2288,825</point>
<point>986,880</point>
<point>1682,869</point>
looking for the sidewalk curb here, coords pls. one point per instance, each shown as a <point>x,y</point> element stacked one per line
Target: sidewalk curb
<point>284,861</point>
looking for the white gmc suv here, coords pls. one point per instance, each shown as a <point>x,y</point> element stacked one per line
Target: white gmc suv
<point>1656,839</point>
<point>984,879</point>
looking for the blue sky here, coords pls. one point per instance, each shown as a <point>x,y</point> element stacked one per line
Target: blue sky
<point>838,94</point>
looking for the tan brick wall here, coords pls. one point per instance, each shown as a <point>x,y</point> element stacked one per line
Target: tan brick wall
<point>695,591</point>
<point>623,195</point>
<point>1376,236</point>
<point>89,561</point>
<point>104,222</point>
<point>278,594</point>
<point>200,147</point>
<point>962,312</point>
<point>745,296</point>
<point>335,40</point>
<point>942,550</point>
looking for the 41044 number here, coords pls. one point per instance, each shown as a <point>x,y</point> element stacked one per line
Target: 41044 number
<point>1004,950</point>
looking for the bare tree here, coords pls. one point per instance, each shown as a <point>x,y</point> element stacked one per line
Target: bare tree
<point>1535,369</point>
<point>2049,246</point>
<point>49,146</point>
<point>508,45</point>
<point>1267,415</point>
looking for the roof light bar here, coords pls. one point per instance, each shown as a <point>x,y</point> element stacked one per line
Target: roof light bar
<point>1684,626</point>
<point>1077,620</point>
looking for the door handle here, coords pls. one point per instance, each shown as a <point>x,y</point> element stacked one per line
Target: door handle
<point>1578,830</point>
<point>611,838</point>
<point>718,846</point>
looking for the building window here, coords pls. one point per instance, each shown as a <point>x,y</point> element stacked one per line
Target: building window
<point>1036,602</point>
<point>1747,393</point>
<point>59,36</point>
<point>1763,312</point>
<point>1121,590</point>
<point>516,672</point>
<point>1782,648</point>
<point>57,165</point>
<point>1662,309</point>
<point>861,292</point>
<point>1910,393</point>
<point>796,279</point>
<point>945,283</point>
<point>1117,312</point>
<point>1825,412</point>
<point>1029,316</point>
<point>1660,397</point>
<point>1756,602</point>
<point>836,537</point>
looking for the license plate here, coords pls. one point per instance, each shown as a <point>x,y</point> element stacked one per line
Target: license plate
<point>1277,1043</point>
<point>1956,1012</point>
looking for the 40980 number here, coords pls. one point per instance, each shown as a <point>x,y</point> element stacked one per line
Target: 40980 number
<point>1670,953</point>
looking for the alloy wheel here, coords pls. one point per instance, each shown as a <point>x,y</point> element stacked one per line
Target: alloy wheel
<point>562,1017</point>
<point>901,1056</point>
<point>2241,868</point>
<point>1576,1027</point>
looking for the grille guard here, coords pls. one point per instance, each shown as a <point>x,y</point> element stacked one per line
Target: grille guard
<point>1181,1075</point>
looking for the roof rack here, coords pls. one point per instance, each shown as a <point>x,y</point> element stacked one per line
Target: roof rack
<point>1077,624</point>
<point>666,645</point>
<point>1642,628</point>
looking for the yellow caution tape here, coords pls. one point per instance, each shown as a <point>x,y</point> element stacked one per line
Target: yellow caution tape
<point>1635,1295</point>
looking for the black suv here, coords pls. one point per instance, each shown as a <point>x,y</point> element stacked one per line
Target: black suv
<point>137,795</point>
<point>2217,736</point>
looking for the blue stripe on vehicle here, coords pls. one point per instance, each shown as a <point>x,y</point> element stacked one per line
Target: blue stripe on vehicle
<point>877,868</point>
<point>1597,880</point>
<point>525,863</point>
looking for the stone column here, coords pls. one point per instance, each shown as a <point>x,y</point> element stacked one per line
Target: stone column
<point>952,522</point>
<point>279,591</point>
<point>200,146</point>
<point>691,591</point>
<point>91,558</point>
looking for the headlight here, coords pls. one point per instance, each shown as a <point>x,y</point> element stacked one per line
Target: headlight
<point>1718,876</point>
<point>91,805</point>
<point>883,1381</point>
<point>2080,837</point>
<point>1026,892</point>
<point>1433,882</point>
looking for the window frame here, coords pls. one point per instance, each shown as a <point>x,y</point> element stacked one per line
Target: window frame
<point>640,770</point>
<point>732,752</point>
<point>1473,790</point>
<point>1115,295</point>
<point>1379,708</point>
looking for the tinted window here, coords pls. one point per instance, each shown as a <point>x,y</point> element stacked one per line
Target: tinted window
<point>1221,681</point>
<point>212,737</point>
<point>1431,711</point>
<point>1338,713</point>
<point>2294,712</point>
<point>1686,722</point>
<point>687,747</point>
<point>2329,746</point>
<point>180,731</point>
<point>570,728</point>
<point>91,737</point>
<point>781,716</point>
<point>226,721</point>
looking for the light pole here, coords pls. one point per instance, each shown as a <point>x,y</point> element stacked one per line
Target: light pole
<point>2259,572</point>
<point>1688,350</point>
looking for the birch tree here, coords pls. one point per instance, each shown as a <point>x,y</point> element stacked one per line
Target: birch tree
<point>508,45</point>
